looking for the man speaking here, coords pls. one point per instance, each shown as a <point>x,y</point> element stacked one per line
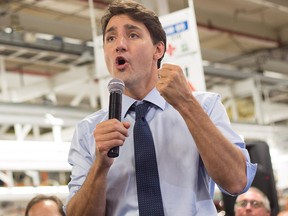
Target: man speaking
<point>174,144</point>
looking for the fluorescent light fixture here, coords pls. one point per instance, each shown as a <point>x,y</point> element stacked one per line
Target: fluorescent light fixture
<point>44,36</point>
<point>72,40</point>
<point>90,43</point>
<point>274,74</point>
<point>206,63</point>
<point>8,30</point>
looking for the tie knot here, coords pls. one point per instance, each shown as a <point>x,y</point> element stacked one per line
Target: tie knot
<point>141,109</point>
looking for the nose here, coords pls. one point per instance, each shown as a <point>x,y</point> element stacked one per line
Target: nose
<point>121,45</point>
<point>248,206</point>
<point>120,49</point>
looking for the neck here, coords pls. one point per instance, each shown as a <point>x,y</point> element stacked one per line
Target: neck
<point>138,91</point>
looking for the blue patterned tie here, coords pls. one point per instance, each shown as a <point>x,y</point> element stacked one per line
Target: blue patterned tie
<point>147,178</point>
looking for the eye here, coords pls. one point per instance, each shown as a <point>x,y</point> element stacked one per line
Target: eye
<point>110,38</point>
<point>256,204</point>
<point>133,35</point>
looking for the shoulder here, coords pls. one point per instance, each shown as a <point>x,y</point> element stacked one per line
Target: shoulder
<point>207,99</point>
<point>94,118</point>
<point>202,95</point>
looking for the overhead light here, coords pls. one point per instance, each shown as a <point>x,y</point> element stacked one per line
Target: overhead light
<point>44,36</point>
<point>8,30</point>
<point>274,74</point>
<point>72,40</point>
<point>206,63</point>
<point>90,43</point>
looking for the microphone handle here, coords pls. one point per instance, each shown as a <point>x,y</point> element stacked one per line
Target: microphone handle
<point>115,108</point>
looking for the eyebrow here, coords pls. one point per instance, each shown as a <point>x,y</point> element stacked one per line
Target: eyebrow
<point>127,26</point>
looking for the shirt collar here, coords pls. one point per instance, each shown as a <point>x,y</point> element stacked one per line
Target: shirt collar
<point>153,97</point>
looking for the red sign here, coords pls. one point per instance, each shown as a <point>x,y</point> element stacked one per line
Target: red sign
<point>170,49</point>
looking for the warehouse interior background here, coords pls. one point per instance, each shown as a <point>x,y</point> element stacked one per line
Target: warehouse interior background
<point>49,83</point>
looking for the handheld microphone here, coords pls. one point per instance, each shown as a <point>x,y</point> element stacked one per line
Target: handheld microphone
<point>115,87</point>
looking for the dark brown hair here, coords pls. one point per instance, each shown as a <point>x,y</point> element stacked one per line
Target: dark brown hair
<point>138,13</point>
<point>40,198</point>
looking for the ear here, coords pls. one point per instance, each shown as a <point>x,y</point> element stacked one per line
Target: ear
<point>159,50</point>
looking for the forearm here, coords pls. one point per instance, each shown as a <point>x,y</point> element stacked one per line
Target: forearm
<point>220,157</point>
<point>91,197</point>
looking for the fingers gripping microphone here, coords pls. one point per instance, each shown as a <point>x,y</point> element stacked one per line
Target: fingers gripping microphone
<point>115,87</point>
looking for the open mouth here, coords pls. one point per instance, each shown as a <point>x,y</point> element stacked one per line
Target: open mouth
<point>120,61</point>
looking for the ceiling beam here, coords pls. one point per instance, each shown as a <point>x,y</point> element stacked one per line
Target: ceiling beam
<point>13,113</point>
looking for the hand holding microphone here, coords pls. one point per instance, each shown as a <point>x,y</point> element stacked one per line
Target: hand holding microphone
<point>116,88</point>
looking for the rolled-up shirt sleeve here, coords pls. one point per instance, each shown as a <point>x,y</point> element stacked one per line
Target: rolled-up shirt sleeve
<point>217,113</point>
<point>251,169</point>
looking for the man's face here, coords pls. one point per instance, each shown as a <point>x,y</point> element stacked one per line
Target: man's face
<point>129,52</point>
<point>250,204</point>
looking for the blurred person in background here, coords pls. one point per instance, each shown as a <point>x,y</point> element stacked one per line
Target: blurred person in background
<point>252,203</point>
<point>42,205</point>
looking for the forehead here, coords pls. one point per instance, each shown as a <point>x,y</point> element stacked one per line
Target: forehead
<point>123,20</point>
<point>44,207</point>
<point>251,195</point>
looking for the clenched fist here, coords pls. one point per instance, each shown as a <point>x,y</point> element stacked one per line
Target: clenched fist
<point>172,85</point>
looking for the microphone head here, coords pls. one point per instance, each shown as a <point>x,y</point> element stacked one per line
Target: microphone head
<point>116,85</point>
